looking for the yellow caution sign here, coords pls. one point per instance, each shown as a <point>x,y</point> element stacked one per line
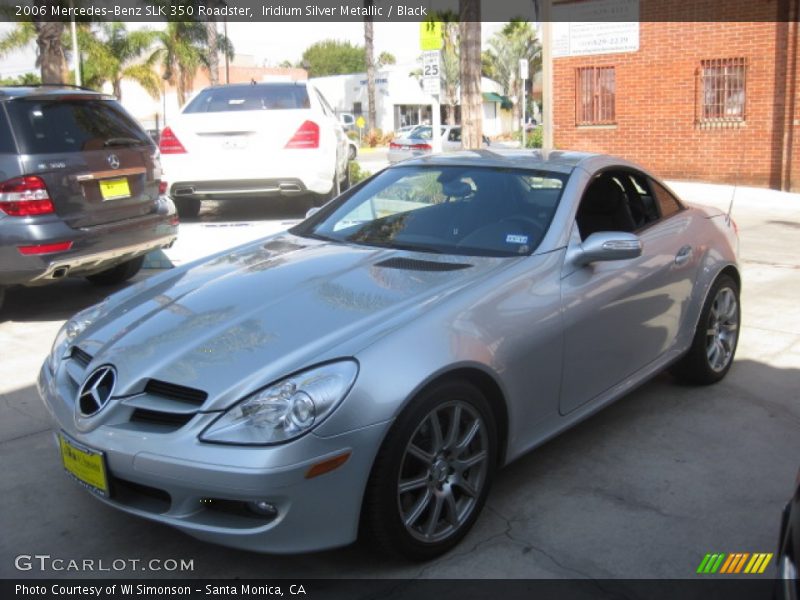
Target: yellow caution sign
<point>430,35</point>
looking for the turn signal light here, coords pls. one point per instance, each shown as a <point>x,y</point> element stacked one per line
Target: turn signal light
<point>25,197</point>
<point>327,465</point>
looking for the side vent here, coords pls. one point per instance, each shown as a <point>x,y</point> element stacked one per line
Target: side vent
<point>414,264</point>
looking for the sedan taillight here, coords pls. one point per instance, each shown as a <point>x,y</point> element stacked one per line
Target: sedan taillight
<point>25,197</point>
<point>307,136</point>
<point>169,143</point>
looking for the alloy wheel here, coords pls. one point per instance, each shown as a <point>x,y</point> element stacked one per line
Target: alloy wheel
<point>722,330</point>
<point>443,471</point>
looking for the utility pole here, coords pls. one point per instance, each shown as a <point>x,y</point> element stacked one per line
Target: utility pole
<point>547,75</point>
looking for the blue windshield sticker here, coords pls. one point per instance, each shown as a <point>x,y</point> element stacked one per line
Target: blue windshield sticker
<point>516,239</point>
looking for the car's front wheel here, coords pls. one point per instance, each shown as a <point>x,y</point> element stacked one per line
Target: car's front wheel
<point>122,272</point>
<point>433,472</point>
<point>714,345</point>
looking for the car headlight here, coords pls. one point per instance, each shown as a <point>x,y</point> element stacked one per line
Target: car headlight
<point>69,331</point>
<point>286,409</point>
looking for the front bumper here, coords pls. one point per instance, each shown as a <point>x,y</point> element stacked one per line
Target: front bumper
<point>93,248</point>
<point>201,488</point>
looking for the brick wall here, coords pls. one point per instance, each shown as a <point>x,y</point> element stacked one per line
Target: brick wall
<point>657,101</point>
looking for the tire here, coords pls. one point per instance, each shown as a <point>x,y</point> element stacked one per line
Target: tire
<point>714,345</point>
<point>2,296</point>
<point>118,274</point>
<point>406,523</point>
<point>188,208</point>
<point>351,152</point>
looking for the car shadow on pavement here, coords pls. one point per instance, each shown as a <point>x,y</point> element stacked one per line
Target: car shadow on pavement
<point>251,209</point>
<point>59,300</point>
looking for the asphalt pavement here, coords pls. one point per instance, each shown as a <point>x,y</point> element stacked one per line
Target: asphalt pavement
<point>645,488</point>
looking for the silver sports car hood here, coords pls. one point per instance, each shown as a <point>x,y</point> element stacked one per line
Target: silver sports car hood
<point>238,321</point>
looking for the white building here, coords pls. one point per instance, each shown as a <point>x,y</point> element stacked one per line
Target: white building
<point>399,98</point>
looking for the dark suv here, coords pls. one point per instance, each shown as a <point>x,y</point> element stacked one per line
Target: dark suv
<point>80,188</point>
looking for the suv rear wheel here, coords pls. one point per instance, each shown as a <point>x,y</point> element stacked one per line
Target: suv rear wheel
<point>188,208</point>
<point>118,274</point>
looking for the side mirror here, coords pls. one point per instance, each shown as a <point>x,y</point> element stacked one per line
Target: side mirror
<point>608,245</point>
<point>312,211</point>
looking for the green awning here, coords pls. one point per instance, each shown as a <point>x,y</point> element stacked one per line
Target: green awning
<point>504,101</point>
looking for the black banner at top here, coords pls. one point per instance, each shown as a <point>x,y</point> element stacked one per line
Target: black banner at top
<point>397,10</point>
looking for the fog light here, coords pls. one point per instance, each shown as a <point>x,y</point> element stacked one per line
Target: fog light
<point>262,507</point>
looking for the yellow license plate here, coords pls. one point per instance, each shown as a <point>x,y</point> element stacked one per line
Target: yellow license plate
<point>84,464</point>
<point>113,189</point>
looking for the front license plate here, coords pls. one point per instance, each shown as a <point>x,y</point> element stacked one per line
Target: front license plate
<point>114,189</point>
<point>84,464</point>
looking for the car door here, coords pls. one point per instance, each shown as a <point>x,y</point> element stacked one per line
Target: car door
<point>619,316</point>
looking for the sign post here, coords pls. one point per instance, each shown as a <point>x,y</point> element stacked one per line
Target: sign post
<point>523,75</point>
<point>360,123</point>
<point>430,42</point>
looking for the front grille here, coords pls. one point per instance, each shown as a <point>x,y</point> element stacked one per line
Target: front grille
<point>175,392</point>
<point>80,356</point>
<point>153,417</point>
<point>414,264</point>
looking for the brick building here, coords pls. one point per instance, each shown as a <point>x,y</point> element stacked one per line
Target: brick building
<point>690,99</point>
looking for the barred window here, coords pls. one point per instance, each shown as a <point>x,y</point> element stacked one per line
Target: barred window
<point>722,89</point>
<point>595,96</point>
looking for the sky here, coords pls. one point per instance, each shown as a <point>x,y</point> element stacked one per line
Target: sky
<point>276,42</point>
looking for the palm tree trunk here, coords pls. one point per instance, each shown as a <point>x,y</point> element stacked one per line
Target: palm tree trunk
<point>370,60</point>
<point>51,59</point>
<point>213,51</point>
<point>471,99</point>
<point>118,88</point>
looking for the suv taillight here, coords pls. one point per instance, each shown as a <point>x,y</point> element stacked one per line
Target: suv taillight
<point>25,197</point>
<point>169,143</point>
<point>307,136</point>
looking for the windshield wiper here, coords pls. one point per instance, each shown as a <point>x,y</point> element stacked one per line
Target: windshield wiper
<point>122,141</point>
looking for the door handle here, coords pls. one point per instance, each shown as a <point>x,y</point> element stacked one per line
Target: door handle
<point>683,255</point>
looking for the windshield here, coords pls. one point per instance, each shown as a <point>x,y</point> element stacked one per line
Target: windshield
<point>273,96</point>
<point>478,211</point>
<point>64,125</point>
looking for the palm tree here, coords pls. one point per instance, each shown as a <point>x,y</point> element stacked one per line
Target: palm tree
<point>50,57</point>
<point>116,55</point>
<point>517,40</point>
<point>183,48</point>
<point>471,99</point>
<point>450,67</point>
<point>212,37</point>
<point>369,52</point>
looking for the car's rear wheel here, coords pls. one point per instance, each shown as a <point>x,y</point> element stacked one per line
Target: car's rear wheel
<point>711,355</point>
<point>433,472</point>
<point>352,152</point>
<point>316,200</point>
<point>122,272</point>
<point>2,296</point>
<point>188,208</point>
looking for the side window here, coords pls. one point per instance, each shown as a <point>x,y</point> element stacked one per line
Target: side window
<point>640,200</point>
<point>6,141</point>
<point>667,203</point>
<point>454,135</point>
<point>604,207</point>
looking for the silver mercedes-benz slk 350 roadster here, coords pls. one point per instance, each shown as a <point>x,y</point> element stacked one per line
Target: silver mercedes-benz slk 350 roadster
<point>368,370</point>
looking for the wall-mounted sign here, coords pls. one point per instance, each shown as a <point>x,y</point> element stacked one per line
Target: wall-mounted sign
<point>608,26</point>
